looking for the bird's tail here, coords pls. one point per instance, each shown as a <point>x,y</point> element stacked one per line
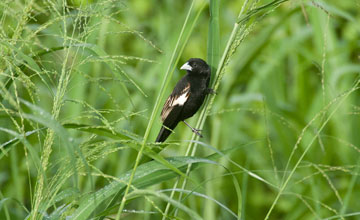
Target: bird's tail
<point>163,134</point>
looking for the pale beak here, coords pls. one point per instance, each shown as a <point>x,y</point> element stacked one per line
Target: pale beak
<point>186,66</point>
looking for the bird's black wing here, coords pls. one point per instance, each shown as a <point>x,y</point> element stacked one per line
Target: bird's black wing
<point>174,103</point>
<point>172,109</point>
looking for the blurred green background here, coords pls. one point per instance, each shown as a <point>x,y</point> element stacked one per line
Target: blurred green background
<point>79,81</point>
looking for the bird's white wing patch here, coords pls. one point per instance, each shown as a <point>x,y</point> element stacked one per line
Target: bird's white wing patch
<point>172,101</point>
<point>181,99</point>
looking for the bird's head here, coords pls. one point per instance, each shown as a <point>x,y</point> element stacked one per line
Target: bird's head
<point>196,66</point>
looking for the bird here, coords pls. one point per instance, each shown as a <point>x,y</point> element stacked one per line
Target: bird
<point>186,98</point>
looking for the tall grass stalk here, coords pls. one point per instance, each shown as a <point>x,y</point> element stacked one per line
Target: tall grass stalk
<point>340,101</point>
<point>179,47</point>
<point>240,30</point>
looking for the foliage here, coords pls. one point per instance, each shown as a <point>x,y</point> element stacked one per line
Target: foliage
<point>82,84</point>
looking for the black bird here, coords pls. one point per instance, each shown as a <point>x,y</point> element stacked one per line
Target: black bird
<point>186,98</point>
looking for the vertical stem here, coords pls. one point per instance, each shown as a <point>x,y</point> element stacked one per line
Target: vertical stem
<point>179,47</point>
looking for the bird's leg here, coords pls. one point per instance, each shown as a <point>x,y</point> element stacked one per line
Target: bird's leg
<point>196,131</point>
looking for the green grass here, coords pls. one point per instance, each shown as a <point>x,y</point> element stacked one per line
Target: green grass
<point>82,84</point>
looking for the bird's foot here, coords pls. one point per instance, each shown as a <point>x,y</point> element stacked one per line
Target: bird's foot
<point>210,91</point>
<point>197,132</point>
